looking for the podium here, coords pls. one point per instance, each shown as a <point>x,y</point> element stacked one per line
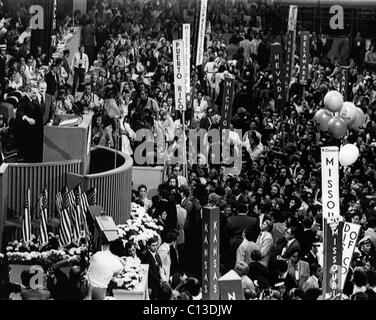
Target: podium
<point>69,143</point>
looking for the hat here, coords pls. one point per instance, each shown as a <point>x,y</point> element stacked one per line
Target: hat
<point>3,46</point>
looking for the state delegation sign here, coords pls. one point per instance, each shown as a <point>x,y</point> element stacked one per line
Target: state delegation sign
<point>332,271</point>
<point>201,33</point>
<point>187,55</point>
<point>210,253</point>
<point>228,96</point>
<point>344,81</point>
<point>293,17</point>
<point>330,183</point>
<point>179,75</point>
<point>304,57</point>
<point>350,236</point>
<point>276,58</point>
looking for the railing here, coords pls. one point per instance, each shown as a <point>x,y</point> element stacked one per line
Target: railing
<point>114,187</point>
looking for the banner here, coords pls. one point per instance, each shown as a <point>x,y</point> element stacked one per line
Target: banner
<point>228,98</point>
<point>344,82</point>
<point>41,37</point>
<point>332,269</point>
<point>293,18</point>
<point>330,183</point>
<point>187,57</point>
<point>194,39</point>
<point>290,50</point>
<point>304,57</point>
<point>350,236</point>
<point>276,58</point>
<point>230,286</point>
<point>179,75</point>
<point>210,253</point>
<point>201,33</point>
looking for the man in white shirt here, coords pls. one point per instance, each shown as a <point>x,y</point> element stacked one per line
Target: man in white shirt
<point>243,253</point>
<point>254,44</point>
<point>182,181</point>
<point>314,281</point>
<point>246,44</point>
<point>80,65</point>
<point>265,241</point>
<point>103,267</point>
<point>164,252</point>
<point>181,217</point>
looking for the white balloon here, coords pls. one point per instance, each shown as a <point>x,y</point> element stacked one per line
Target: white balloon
<point>348,154</point>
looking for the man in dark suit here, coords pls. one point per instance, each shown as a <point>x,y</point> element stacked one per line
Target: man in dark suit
<point>207,122</point>
<point>257,271</point>
<point>358,49</point>
<point>307,237</point>
<point>292,243</point>
<point>237,224</point>
<point>152,258</point>
<point>66,64</point>
<point>30,126</point>
<point>3,59</point>
<point>166,205</point>
<point>46,103</point>
<point>311,256</point>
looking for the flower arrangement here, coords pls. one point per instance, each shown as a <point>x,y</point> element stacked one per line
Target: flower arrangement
<point>140,227</point>
<point>130,276</point>
<point>29,253</point>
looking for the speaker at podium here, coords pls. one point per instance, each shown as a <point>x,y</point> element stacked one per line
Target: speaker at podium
<point>69,140</point>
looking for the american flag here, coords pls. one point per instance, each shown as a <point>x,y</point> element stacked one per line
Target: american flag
<point>62,205</point>
<point>74,215</point>
<point>26,222</point>
<point>92,196</point>
<point>43,203</point>
<point>80,212</point>
<point>89,198</point>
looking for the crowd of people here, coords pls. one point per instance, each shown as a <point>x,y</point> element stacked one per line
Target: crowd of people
<point>271,212</point>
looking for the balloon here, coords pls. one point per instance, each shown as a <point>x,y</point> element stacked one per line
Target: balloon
<point>337,127</point>
<point>348,154</point>
<point>322,118</point>
<point>333,101</point>
<point>348,112</point>
<point>359,119</point>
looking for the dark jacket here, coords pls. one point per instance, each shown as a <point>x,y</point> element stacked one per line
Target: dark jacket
<point>48,108</point>
<point>237,224</point>
<point>306,240</point>
<point>170,208</point>
<point>154,276</point>
<point>290,248</point>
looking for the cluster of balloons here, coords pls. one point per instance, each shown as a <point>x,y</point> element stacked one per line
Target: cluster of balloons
<point>350,116</point>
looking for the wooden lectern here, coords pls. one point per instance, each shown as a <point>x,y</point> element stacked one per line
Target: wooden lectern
<point>69,143</point>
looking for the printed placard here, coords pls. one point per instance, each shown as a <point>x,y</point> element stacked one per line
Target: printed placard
<point>210,253</point>
<point>179,75</point>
